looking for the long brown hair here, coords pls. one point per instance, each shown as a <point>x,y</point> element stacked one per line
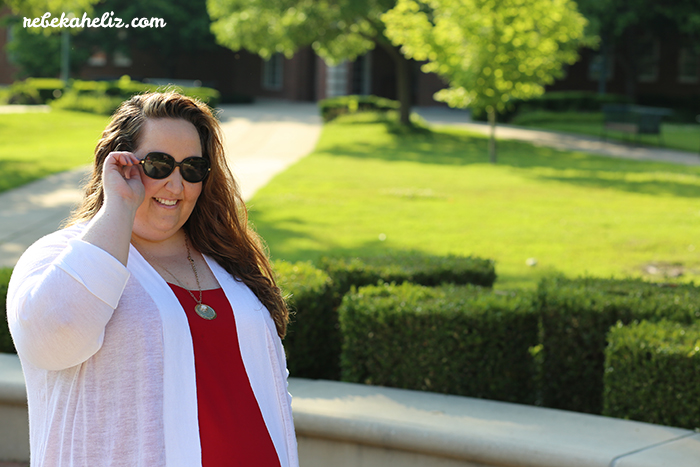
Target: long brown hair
<point>218,225</point>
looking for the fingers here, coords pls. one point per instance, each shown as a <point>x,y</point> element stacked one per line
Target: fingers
<point>123,158</point>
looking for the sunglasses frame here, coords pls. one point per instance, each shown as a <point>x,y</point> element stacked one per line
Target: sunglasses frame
<point>173,165</point>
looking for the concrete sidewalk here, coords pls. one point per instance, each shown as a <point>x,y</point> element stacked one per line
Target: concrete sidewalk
<point>261,140</point>
<point>442,116</point>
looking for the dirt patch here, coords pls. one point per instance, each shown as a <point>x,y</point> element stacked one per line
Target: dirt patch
<point>662,269</point>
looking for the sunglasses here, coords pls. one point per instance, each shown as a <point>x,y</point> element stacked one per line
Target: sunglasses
<point>159,165</point>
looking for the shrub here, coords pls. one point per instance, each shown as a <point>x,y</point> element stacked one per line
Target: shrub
<point>313,340</point>
<point>336,106</point>
<point>22,93</point>
<point>462,340</point>
<point>48,88</point>
<point>651,373</point>
<point>576,316</point>
<point>6,344</point>
<point>103,97</point>
<point>418,268</point>
<point>557,101</point>
<point>93,103</point>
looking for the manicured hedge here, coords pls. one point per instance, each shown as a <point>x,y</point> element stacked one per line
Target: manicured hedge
<point>557,101</point>
<point>651,373</point>
<point>462,340</point>
<point>312,342</point>
<point>418,268</point>
<point>33,91</point>
<point>6,345</point>
<point>103,97</point>
<point>336,106</point>
<point>576,317</point>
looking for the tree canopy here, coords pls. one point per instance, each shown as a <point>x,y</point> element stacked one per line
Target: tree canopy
<point>489,51</point>
<point>336,30</point>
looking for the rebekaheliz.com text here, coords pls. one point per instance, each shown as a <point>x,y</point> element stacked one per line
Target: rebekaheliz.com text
<point>107,20</point>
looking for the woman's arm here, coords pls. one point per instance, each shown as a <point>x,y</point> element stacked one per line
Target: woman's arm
<point>62,293</point>
<point>65,288</point>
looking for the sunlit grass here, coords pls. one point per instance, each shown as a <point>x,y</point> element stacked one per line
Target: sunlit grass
<point>34,145</point>
<point>367,190</point>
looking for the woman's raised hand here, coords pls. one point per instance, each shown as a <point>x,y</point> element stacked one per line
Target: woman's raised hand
<point>121,179</point>
<point>124,192</point>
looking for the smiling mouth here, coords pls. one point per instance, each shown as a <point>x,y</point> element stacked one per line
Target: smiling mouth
<point>166,202</point>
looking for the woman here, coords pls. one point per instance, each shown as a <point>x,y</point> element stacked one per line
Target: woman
<point>150,328</point>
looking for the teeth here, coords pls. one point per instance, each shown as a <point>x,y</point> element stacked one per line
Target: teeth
<point>167,202</point>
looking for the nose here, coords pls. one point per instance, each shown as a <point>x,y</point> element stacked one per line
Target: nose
<point>174,182</point>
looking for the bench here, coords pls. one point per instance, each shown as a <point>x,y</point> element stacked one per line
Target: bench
<point>634,119</point>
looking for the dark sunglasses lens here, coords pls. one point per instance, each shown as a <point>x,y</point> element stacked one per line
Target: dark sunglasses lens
<point>194,169</point>
<point>158,165</point>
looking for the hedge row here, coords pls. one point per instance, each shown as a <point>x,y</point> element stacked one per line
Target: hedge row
<point>418,268</point>
<point>102,97</point>
<point>333,107</point>
<point>313,339</point>
<point>557,101</point>
<point>651,373</point>
<point>312,342</point>
<point>624,348</point>
<point>576,317</point>
<point>462,340</point>
<point>6,345</point>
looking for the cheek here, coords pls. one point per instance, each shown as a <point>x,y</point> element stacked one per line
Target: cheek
<point>194,193</point>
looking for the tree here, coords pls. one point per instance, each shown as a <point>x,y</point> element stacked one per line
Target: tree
<point>39,55</point>
<point>337,30</point>
<point>36,8</point>
<point>489,51</point>
<point>186,30</point>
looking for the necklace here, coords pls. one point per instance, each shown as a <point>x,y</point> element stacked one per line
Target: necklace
<point>203,310</point>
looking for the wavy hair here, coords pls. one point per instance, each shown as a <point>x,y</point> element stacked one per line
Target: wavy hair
<point>218,226</point>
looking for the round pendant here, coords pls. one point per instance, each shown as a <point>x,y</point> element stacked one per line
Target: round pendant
<point>205,311</point>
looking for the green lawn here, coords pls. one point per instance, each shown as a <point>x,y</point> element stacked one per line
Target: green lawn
<point>685,137</point>
<point>34,145</point>
<point>368,190</point>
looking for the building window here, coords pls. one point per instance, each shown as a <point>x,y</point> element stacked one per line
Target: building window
<point>595,67</point>
<point>272,72</point>
<point>99,58</point>
<point>337,80</point>
<point>648,63</point>
<point>688,66</point>
<point>121,59</point>
<point>361,75</point>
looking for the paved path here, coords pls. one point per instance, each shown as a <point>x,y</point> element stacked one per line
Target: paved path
<point>441,116</point>
<point>261,140</point>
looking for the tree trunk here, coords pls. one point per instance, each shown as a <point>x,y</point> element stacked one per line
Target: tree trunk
<point>403,88</point>
<point>492,137</point>
<point>403,79</point>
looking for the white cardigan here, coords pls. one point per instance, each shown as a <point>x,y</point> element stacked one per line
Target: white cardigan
<point>108,359</point>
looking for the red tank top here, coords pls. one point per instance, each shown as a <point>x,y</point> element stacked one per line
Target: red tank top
<point>231,427</point>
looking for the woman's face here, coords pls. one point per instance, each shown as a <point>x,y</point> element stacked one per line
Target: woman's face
<point>169,201</point>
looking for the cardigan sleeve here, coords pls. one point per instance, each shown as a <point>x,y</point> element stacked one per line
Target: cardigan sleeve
<point>62,293</point>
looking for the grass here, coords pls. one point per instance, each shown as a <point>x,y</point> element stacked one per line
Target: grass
<point>367,189</point>
<point>684,137</point>
<point>34,145</point>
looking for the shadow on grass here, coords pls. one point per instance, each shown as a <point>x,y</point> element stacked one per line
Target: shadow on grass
<point>284,241</point>
<point>460,148</point>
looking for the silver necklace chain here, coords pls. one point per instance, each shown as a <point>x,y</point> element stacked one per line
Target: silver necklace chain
<point>204,311</point>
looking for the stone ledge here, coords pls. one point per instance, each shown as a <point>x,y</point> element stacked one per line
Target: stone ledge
<point>482,432</point>
<point>344,424</point>
<point>12,389</point>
